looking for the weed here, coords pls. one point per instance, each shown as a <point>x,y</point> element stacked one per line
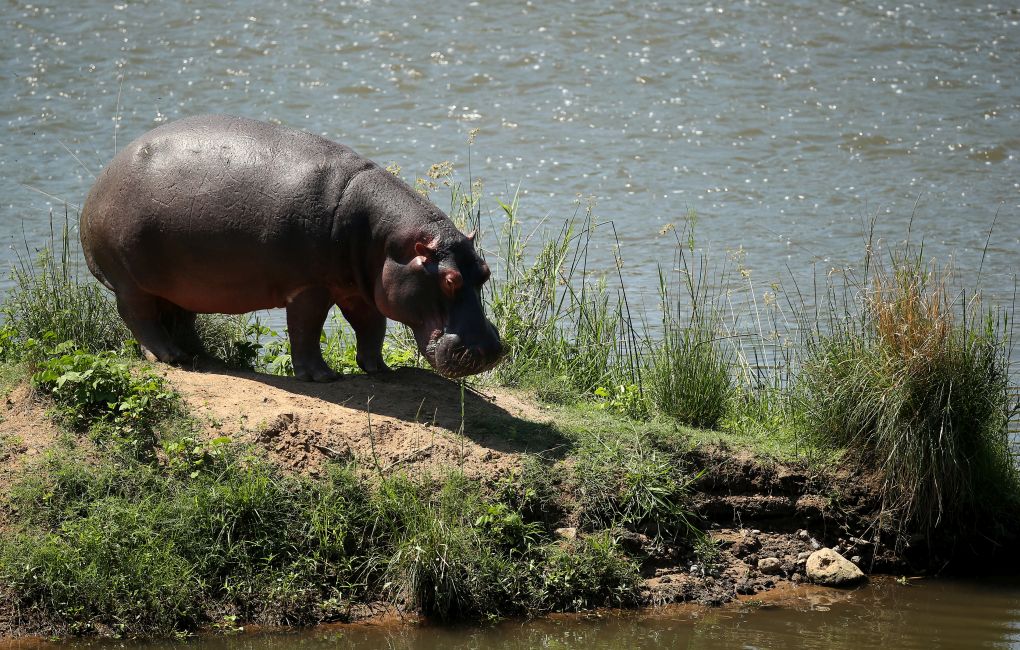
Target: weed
<point>589,572</point>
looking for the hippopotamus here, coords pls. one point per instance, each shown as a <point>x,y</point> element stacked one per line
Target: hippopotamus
<point>222,214</point>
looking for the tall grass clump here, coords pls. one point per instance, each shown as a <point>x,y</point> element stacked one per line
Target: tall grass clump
<point>689,371</point>
<point>631,481</point>
<point>452,554</point>
<point>912,378</point>
<point>50,302</point>
<point>563,331</point>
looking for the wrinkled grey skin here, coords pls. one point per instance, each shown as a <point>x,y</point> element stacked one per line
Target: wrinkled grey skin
<point>229,215</point>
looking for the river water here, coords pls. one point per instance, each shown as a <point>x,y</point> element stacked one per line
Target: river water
<point>785,126</point>
<point>884,614</point>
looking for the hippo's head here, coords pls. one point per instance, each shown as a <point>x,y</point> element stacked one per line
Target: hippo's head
<point>436,290</point>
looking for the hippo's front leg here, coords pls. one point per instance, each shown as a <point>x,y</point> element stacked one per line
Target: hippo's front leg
<point>370,330</point>
<point>306,314</point>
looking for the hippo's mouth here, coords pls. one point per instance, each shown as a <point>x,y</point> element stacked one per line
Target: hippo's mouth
<point>450,358</point>
<point>431,346</point>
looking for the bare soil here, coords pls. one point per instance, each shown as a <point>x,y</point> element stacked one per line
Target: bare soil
<point>407,417</point>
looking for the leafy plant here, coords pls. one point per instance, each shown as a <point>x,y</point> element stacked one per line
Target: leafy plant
<point>98,392</point>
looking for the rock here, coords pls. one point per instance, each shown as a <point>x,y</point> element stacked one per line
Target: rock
<point>803,556</point>
<point>566,533</point>
<point>796,577</point>
<point>769,566</point>
<point>630,541</point>
<point>803,534</point>
<point>856,560</point>
<point>746,545</point>
<point>829,568</point>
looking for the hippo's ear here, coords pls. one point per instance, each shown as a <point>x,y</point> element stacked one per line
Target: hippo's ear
<point>428,250</point>
<point>471,236</point>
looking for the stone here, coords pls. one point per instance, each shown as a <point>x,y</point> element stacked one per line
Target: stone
<point>829,568</point>
<point>566,533</point>
<point>630,541</point>
<point>769,566</point>
<point>746,545</point>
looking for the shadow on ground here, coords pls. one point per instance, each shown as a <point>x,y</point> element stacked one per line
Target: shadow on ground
<point>421,396</point>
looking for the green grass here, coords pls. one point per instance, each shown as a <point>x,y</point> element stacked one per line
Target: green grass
<point>915,383</point>
<point>104,543</point>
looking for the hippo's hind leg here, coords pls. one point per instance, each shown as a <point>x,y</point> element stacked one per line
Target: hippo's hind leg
<point>144,315</point>
<point>306,313</point>
<point>180,324</point>
<point>370,329</point>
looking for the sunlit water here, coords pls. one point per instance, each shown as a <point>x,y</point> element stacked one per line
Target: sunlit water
<point>784,125</point>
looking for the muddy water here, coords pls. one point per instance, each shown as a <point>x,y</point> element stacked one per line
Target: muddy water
<point>885,614</point>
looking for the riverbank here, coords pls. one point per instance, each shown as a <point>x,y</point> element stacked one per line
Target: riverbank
<point>311,472</point>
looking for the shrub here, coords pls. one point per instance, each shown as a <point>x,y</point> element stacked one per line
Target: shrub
<point>916,383</point>
<point>589,572</point>
<point>629,481</point>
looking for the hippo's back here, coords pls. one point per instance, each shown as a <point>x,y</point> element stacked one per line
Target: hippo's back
<point>215,199</point>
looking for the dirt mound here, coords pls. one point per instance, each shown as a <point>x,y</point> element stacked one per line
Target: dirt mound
<point>408,417</point>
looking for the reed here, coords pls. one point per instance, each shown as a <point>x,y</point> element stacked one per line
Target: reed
<point>912,377</point>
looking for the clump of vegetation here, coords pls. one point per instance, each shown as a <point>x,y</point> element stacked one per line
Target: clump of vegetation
<point>452,555</point>
<point>48,302</point>
<point>631,481</point>
<point>99,393</point>
<point>122,544</point>
<point>561,331</point>
<point>915,382</point>
<point>590,572</point>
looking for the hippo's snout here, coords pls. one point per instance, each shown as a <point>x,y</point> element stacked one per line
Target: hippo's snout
<point>456,356</point>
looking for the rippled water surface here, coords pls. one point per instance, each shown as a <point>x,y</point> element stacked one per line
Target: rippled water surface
<point>784,125</point>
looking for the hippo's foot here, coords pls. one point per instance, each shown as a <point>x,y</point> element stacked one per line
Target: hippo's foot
<point>373,364</point>
<point>319,372</point>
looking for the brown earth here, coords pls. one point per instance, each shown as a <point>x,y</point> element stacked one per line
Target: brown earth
<point>409,417</point>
